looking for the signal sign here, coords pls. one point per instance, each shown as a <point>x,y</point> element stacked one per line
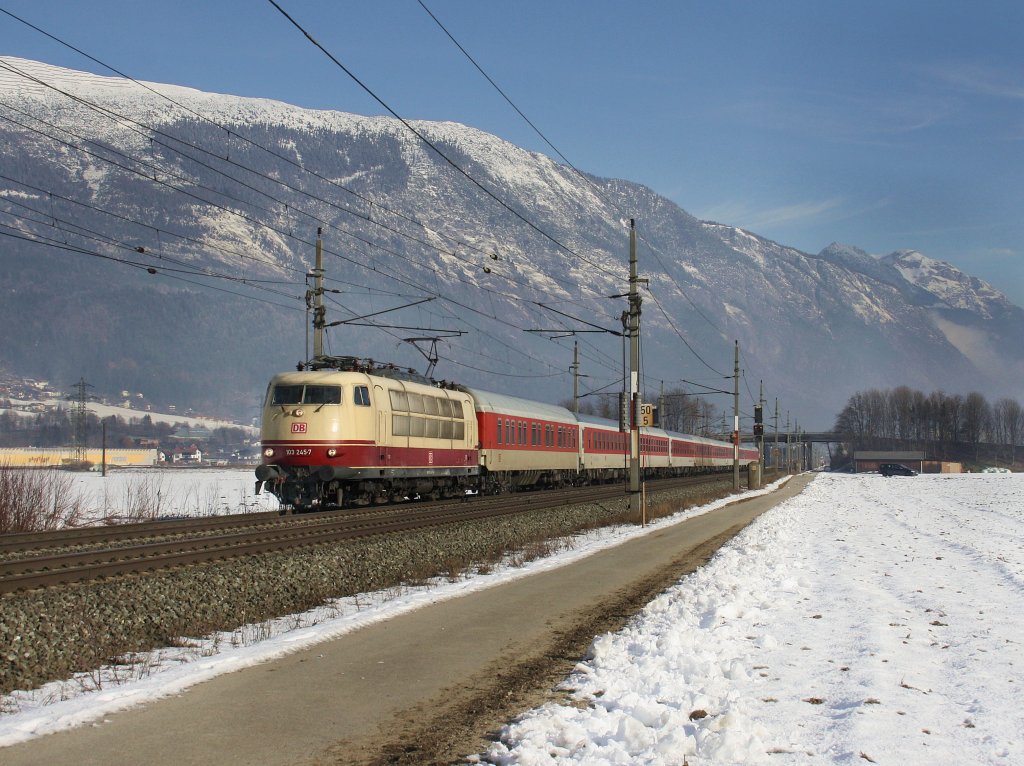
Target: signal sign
<point>646,414</point>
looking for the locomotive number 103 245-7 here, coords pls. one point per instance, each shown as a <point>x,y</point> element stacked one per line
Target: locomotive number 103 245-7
<point>298,452</point>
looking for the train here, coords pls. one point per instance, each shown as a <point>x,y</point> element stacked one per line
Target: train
<point>357,433</point>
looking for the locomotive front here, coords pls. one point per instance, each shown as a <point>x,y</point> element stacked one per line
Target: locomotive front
<point>349,437</point>
<point>317,427</point>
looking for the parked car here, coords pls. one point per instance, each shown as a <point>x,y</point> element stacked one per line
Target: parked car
<point>896,469</point>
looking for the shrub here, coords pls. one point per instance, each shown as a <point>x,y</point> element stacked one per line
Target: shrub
<point>35,500</point>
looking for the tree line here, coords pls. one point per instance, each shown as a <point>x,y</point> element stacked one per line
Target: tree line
<point>944,425</point>
<point>55,428</point>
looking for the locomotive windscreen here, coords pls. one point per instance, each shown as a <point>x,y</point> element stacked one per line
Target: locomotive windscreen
<point>306,395</point>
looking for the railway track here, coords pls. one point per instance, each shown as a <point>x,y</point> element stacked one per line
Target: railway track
<point>72,556</point>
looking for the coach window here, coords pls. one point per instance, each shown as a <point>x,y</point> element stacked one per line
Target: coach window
<point>499,430</point>
<point>361,395</point>
<point>399,401</point>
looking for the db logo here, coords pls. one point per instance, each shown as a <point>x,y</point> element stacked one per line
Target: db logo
<point>298,428</point>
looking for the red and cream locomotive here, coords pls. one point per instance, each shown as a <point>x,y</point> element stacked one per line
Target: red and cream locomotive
<point>359,434</point>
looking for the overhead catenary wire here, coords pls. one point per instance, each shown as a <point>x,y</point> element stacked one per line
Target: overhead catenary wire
<point>411,284</point>
<point>600,192</point>
<point>371,203</point>
<point>257,222</point>
<point>184,237</point>
<point>229,132</point>
<point>260,223</point>
<point>120,119</point>
<point>458,168</point>
<point>678,333</point>
<point>179,268</point>
<point>57,244</point>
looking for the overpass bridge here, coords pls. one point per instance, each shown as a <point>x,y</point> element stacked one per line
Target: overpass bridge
<point>797,451</point>
<point>813,437</point>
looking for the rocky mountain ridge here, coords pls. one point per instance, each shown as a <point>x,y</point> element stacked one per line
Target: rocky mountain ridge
<point>101,167</point>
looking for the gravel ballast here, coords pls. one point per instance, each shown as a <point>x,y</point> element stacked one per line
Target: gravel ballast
<point>50,634</point>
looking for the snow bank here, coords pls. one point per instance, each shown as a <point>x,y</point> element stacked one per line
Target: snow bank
<point>866,620</point>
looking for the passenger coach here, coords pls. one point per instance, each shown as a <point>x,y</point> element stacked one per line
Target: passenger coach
<point>525,443</point>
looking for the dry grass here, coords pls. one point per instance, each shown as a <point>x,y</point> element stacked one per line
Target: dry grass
<point>37,499</point>
<point>143,497</point>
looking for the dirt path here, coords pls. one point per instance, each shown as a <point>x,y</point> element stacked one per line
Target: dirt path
<point>423,688</point>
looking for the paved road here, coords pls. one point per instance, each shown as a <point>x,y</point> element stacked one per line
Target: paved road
<point>419,688</point>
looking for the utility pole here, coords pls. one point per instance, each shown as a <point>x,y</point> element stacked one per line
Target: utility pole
<point>759,425</point>
<point>775,460</point>
<point>789,441</point>
<point>635,504</point>
<point>736,422</point>
<point>799,445</point>
<point>576,376</point>
<point>660,423</point>
<point>319,312</point>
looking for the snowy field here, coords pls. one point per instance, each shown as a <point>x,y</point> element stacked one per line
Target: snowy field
<point>868,620</point>
<point>142,493</point>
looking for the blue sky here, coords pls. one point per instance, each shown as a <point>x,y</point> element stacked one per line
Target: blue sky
<point>884,125</point>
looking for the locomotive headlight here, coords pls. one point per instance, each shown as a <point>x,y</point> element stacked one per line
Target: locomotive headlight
<point>298,413</point>
<point>332,452</point>
<point>268,452</point>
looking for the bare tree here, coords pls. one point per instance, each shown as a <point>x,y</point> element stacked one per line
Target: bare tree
<point>901,411</point>
<point>936,422</point>
<point>1008,423</point>
<point>977,415</point>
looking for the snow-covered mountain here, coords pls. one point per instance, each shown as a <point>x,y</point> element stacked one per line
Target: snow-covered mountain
<point>108,167</point>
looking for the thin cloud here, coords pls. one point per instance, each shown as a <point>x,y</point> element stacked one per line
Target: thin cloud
<point>739,214</point>
<point>837,116</point>
<point>980,80</point>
